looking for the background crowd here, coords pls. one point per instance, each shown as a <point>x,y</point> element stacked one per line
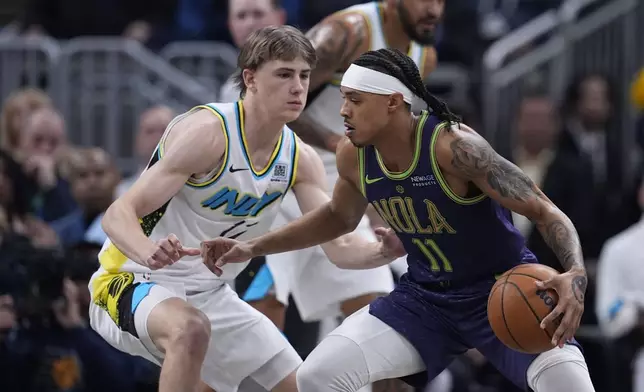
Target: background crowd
<point>61,167</point>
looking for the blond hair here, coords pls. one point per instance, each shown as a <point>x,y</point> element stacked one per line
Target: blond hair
<point>32,98</point>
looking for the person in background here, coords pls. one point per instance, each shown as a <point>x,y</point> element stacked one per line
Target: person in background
<point>17,107</point>
<point>41,147</point>
<point>620,295</point>
<point>15,217</point>
<point>590,133</point>
<point>45,344</point>
<point>93,178</point>
<point>245,17</point>
<point>562,176</point>
<point>152,124</point>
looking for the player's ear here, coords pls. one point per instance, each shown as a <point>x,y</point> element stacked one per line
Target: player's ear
<point>395,101</point>
<point>249,79</point>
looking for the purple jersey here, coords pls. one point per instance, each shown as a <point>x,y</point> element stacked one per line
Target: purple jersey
<point>450,240</point>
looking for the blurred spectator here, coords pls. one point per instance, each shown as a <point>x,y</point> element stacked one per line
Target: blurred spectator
<point>562,176</point>
<point>14,214</point>
<point>245,17</point>
<point>49,346</point>
<point>589,133</point>
<point>93,177</point>
<point>620,293</point>
<point>152,124</point>
<point>40,151</point>
<point>65,19</point>
<point>17,107</point>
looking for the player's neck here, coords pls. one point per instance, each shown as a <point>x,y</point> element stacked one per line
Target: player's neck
<point>261,130</point>
<point>397,148</point>
<point>392,29</point>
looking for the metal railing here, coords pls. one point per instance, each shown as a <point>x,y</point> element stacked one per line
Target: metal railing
<point>103,84</point>
<point>606,40</point>
<point>26,62</point>
<point>507,66</point>
<point>209,62</point>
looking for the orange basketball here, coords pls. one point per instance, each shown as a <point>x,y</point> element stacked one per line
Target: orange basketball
<point>516,307</point>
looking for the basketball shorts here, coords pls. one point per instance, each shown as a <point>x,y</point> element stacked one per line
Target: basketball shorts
<point>242,340</point>
<point>442,325</point>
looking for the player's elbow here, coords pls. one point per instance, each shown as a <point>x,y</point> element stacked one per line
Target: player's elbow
<point>345,221</point>
<point>542,212</point>
<point>111,217</point>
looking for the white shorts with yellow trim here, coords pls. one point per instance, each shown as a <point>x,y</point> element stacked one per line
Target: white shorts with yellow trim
<point>242,340</point>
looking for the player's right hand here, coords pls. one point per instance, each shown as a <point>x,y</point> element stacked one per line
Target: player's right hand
<point>221,251</point>
<point>168,251</point>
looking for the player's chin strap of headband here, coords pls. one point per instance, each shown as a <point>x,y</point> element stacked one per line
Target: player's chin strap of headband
<point>370,81</point>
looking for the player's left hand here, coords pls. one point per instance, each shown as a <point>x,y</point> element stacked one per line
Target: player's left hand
<point>571,289</point>
<point>221,251</point>
<point>391,246</point>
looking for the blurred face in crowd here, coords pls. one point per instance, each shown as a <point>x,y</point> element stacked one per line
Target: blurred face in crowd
<point>246,16</point>
<point>7,312</point>
<point>93,178</point>
<point>419,18</point>
<point>537,124</point>
<point>16,110</point>
<point>43,134</point>
<point>152,124</point>
<point>594,106</point>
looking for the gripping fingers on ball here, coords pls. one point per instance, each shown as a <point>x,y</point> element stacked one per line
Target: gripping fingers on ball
<point>559,337</point>
<point>553,317</point>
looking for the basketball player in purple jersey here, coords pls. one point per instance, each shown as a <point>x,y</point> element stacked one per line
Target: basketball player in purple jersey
<point>447,195</point>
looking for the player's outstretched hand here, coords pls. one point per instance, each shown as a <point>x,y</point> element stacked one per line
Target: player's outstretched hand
<point>566,316</point>
<point>391,245</point>
<point>221,251</point>
<point>168,251</point>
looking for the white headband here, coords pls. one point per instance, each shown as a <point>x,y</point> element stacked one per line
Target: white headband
<point>370,81</point>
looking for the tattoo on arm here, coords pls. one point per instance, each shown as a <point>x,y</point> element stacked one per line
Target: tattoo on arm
<point>336,44</point>
<point>562,238</point>
<point>476,159</point>
<point>579,284</point>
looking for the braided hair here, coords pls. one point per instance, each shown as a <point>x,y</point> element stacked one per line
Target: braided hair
<point>394,63</point>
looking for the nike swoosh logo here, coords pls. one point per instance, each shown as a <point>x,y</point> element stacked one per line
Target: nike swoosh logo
<point>372,180</point>
<point>232,169</point>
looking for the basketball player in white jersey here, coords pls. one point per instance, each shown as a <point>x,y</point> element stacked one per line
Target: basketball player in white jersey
<point>319,288</point>
<point>219,170</point>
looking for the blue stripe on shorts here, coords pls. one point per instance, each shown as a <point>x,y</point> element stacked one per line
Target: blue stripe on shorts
<point>260,286</point>
<point>140,291</point>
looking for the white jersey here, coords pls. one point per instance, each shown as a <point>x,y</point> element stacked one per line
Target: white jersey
<point>234,200</point>
<point>325,108</point>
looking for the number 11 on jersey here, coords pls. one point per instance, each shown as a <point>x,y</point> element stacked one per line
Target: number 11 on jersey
<point>433,253</point>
